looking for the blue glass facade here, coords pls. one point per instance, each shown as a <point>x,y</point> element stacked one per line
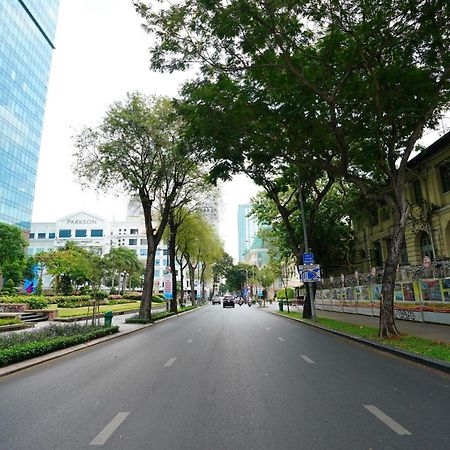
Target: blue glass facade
<point>27,30</point>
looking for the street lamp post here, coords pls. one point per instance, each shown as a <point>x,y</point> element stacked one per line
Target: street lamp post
<point>305,237</point>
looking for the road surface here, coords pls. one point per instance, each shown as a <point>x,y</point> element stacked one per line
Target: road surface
<point>226,379</point>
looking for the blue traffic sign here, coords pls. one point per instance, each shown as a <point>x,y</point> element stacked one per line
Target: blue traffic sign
<point>308,258</point>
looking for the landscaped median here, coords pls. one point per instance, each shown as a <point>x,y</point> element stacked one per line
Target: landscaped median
<point>16,347</point>
<point>158,316</point>
<point>430,349</point>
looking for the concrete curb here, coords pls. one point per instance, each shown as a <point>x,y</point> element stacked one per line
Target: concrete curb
<point>430,362</point>
<point>13,368</point>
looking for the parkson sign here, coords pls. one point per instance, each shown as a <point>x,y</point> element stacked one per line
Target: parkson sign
<point>81,221</point>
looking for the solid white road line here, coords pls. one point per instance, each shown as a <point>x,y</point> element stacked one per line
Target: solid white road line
<point>281,339</point>
<point>170,362</point>
<point>189,341</point>
<point>307,359</point>
<point>391,423</point>
<point>200,329</point>
<point>112,426</point>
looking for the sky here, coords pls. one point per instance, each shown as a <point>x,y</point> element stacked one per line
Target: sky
<point>101,54</point>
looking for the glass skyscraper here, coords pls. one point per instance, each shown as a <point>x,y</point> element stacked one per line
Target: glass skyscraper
<point>27,31</point>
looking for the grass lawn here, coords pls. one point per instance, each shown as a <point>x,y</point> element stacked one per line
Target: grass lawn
<point>413,344</point>
<point>75,312</point>
<point>10,321</point>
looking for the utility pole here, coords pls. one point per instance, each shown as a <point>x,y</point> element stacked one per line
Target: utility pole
<point>305,238</point>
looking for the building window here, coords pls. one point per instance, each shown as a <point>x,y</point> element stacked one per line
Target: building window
<point>65,233</point>
<point>417,188</point>
<point>132,241</point>
<point>426,249</point>
<point>403,254</point>
<point>157,262</point>
<point>143,252</point>
<point>143,241</point>
<point>134,231</point>
<point>96,233</point>
<point>373,216</point>
<point>377,259</point>
<point>80,233</point>
<point>51,235</point>
<point>157,273</point>
<point>41,235</point>
<point>165,252</point>
<point>31,235</point>
<point>445,176</point>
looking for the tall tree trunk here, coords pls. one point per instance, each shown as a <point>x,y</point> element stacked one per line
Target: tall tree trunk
<point>192,282</point>
<point>172,252</point>
<point>202,281</point>
<point>145,309</point>
<point>387,317</point>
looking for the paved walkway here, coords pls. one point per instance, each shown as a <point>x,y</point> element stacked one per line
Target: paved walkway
<point>432,331</point>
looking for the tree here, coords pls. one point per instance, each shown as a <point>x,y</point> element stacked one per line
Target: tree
<point>220,269</point>
<point>72,267</point>
<point>135,147</point>
<point>377,71</point>
<point>122,260</point>
<point>12,251</point>
<point>199,246</point>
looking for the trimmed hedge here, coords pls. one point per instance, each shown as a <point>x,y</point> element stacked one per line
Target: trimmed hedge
<point>29,350</point>
<point>34,301</point>
<point>155,317</point>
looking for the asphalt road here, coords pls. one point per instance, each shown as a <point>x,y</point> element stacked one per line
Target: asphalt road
<point>226,379</point>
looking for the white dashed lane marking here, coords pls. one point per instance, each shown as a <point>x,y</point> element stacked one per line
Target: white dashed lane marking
<point>112,426</point>
<point>189,341</point>
<point>391,423</point>
<point>200,329</point>
<point>307,359</point>
<point>170,362</point>
<point>268,329</point>
<point>280,339</point>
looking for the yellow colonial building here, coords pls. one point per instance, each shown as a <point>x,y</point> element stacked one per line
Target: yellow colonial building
<point>428,229</point>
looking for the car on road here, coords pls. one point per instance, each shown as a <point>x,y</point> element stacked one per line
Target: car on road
<point>228,300</point>
<point>216,300</point>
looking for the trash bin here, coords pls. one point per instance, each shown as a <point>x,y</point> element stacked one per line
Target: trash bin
<point>108,318</point>
<point>280,305</point>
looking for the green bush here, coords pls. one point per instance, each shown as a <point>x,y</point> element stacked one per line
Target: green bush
<point>73,301</point>
<point>100,295</point>
<point>85,290</point>
<point>282,294</point>
<point>37,302</point>
<point>113,291</point>
<point>120,302</point>
<point>31,349</point>
<point>155,317</point>
<point>186,308</point>
<point>157,299</point>
<point>34,301</point>
<point>9,287</point>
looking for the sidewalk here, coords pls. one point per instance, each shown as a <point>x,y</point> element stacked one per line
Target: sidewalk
<point>434,332</point>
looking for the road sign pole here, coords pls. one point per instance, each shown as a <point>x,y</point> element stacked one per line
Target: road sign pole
<point>305,238</point>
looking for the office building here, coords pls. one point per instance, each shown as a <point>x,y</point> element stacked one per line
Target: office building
<point>27,31</point>
<point>251,248</point>
<point>97,235</point>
